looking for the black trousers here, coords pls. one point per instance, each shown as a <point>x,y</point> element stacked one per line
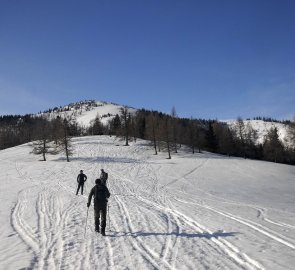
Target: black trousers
<point>82,187</point>
<point>100,213</point>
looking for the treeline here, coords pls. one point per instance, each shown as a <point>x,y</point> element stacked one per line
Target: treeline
<point>48,137</point>
<point>169,133</point>
<point>270,119</point>
<point>86,105</point>
<point>15,130</point>
<point>166,132</point>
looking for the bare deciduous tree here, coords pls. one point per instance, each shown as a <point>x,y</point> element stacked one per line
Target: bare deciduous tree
<point>43,143</point>
<point>174,128</point>
<point>65,141</point>
<point>165,134</point>
<point>126,120</point>
<point>152,130</point>
<point>192,135</point>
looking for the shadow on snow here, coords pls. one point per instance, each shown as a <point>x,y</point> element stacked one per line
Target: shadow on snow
<point>100,159</point>
<point>177,234</point>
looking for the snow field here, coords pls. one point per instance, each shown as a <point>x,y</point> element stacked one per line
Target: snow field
<point>199,211</point>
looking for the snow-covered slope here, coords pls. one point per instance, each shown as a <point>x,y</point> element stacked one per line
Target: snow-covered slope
<point>263,127</point>
<point>87,111</point>
<point>199,211</point>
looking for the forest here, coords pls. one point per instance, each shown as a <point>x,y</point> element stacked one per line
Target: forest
<point>166,133</point>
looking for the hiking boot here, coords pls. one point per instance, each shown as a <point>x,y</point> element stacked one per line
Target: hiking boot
<point>97,230</point>
<point>103,231</point>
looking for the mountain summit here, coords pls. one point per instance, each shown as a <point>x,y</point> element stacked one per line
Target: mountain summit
<point>84,112</point>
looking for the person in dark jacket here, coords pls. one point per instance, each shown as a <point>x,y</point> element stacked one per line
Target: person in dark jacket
<point>81,179</point>
<point>101,195</point>
<point>103,177</point>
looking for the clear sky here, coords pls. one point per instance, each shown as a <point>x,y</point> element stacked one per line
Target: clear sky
<point>209,59</point>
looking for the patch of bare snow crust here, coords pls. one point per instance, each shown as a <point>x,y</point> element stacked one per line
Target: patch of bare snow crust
<point>200,211</point>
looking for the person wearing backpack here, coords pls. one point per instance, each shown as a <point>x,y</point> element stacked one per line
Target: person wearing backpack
<point>101,195</point>
<point>81,179</point>
<point>103,177</point>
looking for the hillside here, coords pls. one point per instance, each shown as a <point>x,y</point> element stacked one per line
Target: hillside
<point>263,127</point>
<point>199,211</point>
<point>86,111</point>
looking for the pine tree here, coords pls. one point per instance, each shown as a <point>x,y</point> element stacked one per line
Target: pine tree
<point>210,137</point>
<point>273,149</point>
<point>115,125</point>
<point>225,138</point>
<point>96,126</point>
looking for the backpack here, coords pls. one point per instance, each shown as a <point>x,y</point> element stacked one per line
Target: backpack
<point>100,193</point>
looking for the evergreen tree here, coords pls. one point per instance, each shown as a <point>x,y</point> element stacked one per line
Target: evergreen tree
<point>273,149</point>
<point>225,139</point>
<point>210,137</point>
<point>139,123</point>
<point>115,125</point>
<point>96,126</point>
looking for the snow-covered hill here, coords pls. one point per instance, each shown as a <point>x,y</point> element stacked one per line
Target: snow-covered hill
<point>199,211</point>
<point>263,127</point>
<point>86,111</point>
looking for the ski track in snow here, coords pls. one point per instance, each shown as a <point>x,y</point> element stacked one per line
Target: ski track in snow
<point>146,229</point>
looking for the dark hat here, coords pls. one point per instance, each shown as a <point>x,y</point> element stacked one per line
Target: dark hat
<point>81,170</point>
<point>97,181</point>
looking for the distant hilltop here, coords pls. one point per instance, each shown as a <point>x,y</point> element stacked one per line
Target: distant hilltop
<point>84,112</point>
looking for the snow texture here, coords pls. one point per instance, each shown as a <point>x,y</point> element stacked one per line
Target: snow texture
<point>199,211</point>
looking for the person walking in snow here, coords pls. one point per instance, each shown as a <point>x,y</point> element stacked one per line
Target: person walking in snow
<point>103,177</point>
<point>101,195</point>
<point>81,179</point>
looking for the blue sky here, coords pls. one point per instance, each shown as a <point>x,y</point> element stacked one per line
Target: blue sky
<point>209,59</point>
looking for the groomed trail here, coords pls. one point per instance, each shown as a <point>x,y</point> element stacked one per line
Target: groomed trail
<point>199,211</point>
